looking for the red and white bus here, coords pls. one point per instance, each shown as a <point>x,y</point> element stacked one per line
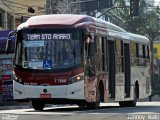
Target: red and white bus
<point>78,59</point>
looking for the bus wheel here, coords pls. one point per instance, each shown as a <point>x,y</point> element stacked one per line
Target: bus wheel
<point>93,105</point>
<point>123,103</point>
<point>131,103</point>
<point>38,105</point>
<point>81,105</point>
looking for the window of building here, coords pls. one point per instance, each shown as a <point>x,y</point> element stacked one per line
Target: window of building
<point>1,18</point>
<point>9,21</point>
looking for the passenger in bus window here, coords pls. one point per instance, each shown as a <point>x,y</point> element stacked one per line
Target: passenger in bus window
<point>90,50</point>
<point>67,55</point>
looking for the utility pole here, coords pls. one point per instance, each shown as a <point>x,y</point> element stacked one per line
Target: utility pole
<point>134,8</point>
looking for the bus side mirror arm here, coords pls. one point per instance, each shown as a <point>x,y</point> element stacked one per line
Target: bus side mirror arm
<point>9,42</point>
<point>8,46</point>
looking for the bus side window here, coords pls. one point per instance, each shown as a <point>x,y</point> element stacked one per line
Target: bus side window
<point>141,55</point>
<point>148,53</point>
<point>90,54</point>
<point>144,55</point>
<point>122,55</point>
<point>118,55</point>
<point>137,53</point>
<point>140,51</point>
<point>103,54</point>
<point>99,54</point>
<point>144,51</point>
<point>133,54</point>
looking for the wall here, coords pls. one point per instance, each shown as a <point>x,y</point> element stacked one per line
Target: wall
<point>14,12</point>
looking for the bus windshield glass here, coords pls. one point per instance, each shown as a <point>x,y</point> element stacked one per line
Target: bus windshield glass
<point>49,48</point>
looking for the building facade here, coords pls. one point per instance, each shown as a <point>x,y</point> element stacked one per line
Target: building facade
<point>6,17</point>
<point>28,8</point>
<point>14,12</point>
<point>58,6</point>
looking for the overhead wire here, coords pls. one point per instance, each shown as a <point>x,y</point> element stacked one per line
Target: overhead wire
<point>13,11</point>
<point>21,4</point>
<point>16,13</point>
<point>7,6</point>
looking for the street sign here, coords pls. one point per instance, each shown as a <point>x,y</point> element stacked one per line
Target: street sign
<point>47,64</point>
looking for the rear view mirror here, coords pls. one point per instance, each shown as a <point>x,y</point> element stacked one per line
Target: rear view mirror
<point>8,46</point>
<point>9,42</point>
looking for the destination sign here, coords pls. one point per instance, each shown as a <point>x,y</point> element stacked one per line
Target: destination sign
<point>49,36</point>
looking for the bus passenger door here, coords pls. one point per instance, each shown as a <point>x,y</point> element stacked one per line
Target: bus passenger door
<point>127,69</point>
<point>111,63</point>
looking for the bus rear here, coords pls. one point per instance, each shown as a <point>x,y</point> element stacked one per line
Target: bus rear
<point>49,66</point>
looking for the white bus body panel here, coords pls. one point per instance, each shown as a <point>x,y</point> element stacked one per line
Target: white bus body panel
<point>72,91</point>
<point>120,87</point>
<point>138,73</point>
<point>76,90</point>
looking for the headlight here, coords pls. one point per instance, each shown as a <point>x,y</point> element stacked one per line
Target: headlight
<point>16,78</point>
<point>76,78</point>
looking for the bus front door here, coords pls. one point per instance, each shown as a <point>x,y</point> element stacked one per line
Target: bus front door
<point>127,69</point>
<point>111,55</point>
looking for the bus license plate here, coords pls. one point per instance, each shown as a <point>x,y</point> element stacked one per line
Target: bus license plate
<point>45,96</point>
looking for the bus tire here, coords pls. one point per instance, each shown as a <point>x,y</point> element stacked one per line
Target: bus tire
<point>123,103</point>
<point>81,105</point>
<point>93,105</point>
<point>133,102</point>
<point>38,105</point>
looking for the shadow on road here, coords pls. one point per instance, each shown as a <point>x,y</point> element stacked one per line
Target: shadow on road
<point>103,109</point>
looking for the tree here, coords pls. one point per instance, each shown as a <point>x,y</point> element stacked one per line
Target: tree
<point>147,23</point>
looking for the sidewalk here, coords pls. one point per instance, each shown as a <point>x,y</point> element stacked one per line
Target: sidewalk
<point>154,98</point>
<point>20,105</point>
<point>14,105</point>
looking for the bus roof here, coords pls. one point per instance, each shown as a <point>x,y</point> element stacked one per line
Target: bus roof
<point>68,20</point>
<point>138,38</point>
<point>73,20</point>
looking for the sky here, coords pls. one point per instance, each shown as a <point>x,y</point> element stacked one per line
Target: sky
<point>157,2</point>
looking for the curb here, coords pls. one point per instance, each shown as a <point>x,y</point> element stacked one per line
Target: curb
<point>13,107</point>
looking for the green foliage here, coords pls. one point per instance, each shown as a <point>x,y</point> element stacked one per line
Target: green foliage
<point>147,23</point>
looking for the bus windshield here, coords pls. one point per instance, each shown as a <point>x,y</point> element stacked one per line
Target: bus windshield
<point>49,48</point>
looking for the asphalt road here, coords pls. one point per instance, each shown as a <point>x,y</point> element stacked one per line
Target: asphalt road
<point>109,111</point>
